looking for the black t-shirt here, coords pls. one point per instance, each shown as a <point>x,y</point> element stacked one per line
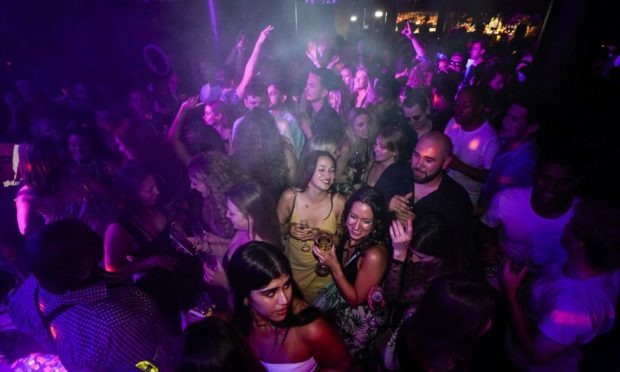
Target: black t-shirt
<point>450,203</point>
<point>327,123</point>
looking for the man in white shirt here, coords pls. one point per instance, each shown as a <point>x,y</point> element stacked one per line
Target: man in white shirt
<point>474,141</point>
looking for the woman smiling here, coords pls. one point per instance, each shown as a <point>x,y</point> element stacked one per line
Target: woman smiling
<point>307,212</point>
<point>357,264</point>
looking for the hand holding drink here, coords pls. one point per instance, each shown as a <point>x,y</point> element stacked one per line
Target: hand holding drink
<point>324,243</point>
<point>303,225</point>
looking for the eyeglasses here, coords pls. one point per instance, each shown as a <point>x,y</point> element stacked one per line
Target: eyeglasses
<point>456,63</point>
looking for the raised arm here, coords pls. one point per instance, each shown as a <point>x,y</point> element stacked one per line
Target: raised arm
<point>251,64</point>
<point>417,47</point>
<point>174,133</point>
<point>235,57</point>
<point>401,238</point>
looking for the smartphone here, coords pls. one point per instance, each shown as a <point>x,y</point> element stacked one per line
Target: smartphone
<point>178,236</point>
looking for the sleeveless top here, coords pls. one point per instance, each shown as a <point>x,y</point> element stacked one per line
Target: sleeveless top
<point>305,366</point>
<point>349,268</point>
<point>171,290</point>
<point>159,244</point>
<point>301,258</point>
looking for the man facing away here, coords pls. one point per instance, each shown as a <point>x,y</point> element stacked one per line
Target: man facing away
<point>91,320</point>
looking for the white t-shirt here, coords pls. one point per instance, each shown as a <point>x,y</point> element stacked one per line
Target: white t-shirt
<point>476,149</point>
<point>570,312</point>
<point>524,234</point>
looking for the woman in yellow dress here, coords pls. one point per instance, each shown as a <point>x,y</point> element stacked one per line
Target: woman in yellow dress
<point>307,211</point>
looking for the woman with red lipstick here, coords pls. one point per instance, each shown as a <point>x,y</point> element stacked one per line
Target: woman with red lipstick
<point>284,332</point>
<point>356,265</point>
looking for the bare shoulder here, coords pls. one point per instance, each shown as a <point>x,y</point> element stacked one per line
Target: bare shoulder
<point>288,196</point>
<point>376,253</point>
<point>309,330</point>
<point>116,230</point>
<point>316,330</point>
<point>339,202</point>
<point>25,194</point>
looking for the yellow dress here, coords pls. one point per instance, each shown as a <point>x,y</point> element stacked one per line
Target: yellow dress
<point>304,263</point>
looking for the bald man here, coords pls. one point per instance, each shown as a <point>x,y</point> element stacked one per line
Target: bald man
<point>433,192</point>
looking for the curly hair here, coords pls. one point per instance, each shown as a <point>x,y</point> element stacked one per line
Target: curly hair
<point>258,151</point>
<point>219,174</point>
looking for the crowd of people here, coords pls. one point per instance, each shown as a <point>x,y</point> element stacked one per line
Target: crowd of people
<point>346,209</point>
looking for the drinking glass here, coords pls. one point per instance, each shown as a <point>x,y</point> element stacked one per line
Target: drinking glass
<point>324,242</point>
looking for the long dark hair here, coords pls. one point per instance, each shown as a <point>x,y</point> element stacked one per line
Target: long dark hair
<point>214,345</point>
<point>258,151</point>
<point>253,201</point>
<point>447,324</point>
<point>308,167</point>
<point>253,266</point>
<point>380,221</point>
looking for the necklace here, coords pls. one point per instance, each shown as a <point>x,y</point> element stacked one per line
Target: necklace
<point>349,249</point>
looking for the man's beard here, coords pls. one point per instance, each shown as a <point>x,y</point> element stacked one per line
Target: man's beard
<point>426,178</point>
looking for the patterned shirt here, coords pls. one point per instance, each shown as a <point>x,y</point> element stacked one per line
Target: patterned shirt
<point>106,326</point>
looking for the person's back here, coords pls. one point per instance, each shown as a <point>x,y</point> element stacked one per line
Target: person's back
<point>105,326</point>
<point>93,322</point>
<point>445,330</point>
<point>215,345</point>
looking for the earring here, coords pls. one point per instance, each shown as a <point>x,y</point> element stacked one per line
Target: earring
<point>245,301</point>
